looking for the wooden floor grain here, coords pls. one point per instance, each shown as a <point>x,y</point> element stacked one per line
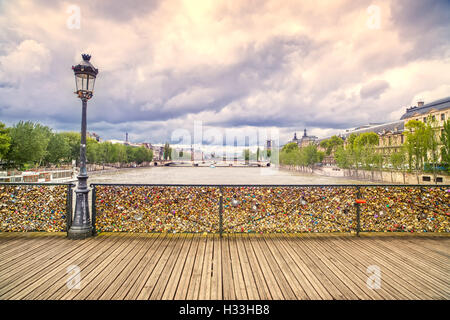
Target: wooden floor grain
<point>238,266</point>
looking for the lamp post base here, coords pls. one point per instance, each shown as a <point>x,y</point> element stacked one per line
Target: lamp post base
<point>81,227</point>
<point>78,233</point>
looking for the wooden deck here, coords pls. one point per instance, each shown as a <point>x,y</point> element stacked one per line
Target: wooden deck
<point>186,266</point>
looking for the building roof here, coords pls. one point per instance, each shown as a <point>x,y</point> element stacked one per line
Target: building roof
<point>398,125</point>
<point>440,104</point>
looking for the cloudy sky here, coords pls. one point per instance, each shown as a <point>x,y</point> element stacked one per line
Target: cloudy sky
<point>231,65</point>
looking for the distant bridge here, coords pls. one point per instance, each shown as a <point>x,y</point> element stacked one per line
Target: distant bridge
<point>209,163</point>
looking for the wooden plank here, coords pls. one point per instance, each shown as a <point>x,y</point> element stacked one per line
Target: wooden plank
<point>275,290</point>
<point>174,279</point>
<point>437,270</point>
<point>110,274</point>
<point>205,281</point>
<point>249,279</point>
<point>426,280</point>
<point>420,277</point>
<point>260,281</point>
<point>152,281</point>
<point>132,275</point>
<point>437,259</point>
<point>298,279</point>
<point>86,263</point>
<point>99,266</point>
<point>354,279</point>
<point>216,281</point>
<point>163,279</point>
<point>161,248</point>
<point>390,285</point>
<point>194,284</point>
<point>236,269</point>
<point>186,273</point>
<point>227,272</point>
<point>29,248</point>
<point>308,273</point>
<point>436,245</point>
<point>335,288</point>
<point>399,268</point>
<point>279,274</point>
<point>57,271</point>
<point>34,267</point>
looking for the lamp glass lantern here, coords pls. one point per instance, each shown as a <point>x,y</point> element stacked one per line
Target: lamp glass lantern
<point>85,74</point>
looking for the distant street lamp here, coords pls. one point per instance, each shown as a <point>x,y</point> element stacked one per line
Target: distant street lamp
<point>85,74</point>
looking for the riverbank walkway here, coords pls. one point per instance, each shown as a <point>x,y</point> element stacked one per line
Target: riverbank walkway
<point>238,266</point>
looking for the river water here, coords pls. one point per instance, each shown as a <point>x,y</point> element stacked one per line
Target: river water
<point>217,175</point>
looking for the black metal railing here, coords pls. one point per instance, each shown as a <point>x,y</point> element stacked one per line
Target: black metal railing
<point>26,207</point>
<point>270,208</point>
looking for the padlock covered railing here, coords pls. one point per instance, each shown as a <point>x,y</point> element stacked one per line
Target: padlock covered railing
<point>270,208</point>
<point>27,207</point>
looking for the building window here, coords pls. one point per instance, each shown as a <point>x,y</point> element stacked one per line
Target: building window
<point>401,139</point>
<point>433,118</point>
<point>424,119</point>
<point>442,116</point>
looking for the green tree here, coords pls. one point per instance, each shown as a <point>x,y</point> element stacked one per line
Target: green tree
<point>416,143</point>
<point>343,158</point>
<point>330,145</point>
<point>5,141</point>
<point>310,155</point>
<point>364,149</point>
<point>246,154</point>
<point>28,144</point>
<point>320,156</point>
<point>73,140</point>
<point>432,143</point>
<point>398,160</point>
<point>167,151</point>
<point>445,140</point>
<point>290,147</point>
<point>58,149</point>
<point>92,150</point>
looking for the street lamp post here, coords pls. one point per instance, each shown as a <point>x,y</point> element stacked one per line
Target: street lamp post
<point>85,74</point>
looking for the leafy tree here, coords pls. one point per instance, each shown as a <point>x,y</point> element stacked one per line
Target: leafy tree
<point>5,140</point>
<point>431,143</point>
<point>28,143</point>
<point>310,155</point>
<point>92,150</point>
<point>73,140</point>
<point>167,151</point>
<point>416,143</point>
<point>320,156</point>
<point>398,160</point>
<point>445,140</point>
<point>290,147</point>
<point>343,157</point>
<point>330,145</point>
<point>58,149</point>
<point>246,154</point>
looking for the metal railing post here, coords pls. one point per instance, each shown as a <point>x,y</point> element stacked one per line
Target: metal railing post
<point>94,209</point>
<point>221,211</point>
<point>358,212</point>
<point>69,208</point>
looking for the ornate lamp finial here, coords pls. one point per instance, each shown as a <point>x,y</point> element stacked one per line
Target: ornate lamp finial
<point>86,57</point>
